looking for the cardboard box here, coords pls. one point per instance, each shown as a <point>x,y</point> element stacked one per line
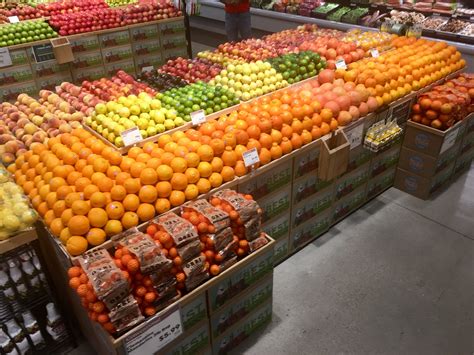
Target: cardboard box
<point>144,33</point>
<point>10,92</point>
<point>14,75</point>
<point>85,44</point>
<point>127,66</point>
<point>430,140</point>
<point>467,142</point>
<point>308,209</point>
<point>278,228</point>
<point>175,52</point>
<point>307,186</point>
<point>385,160</point>
<point>381,182</point>
<point>464,161</point>
<point>117,54</point>
<point>350,182</point>
<point>89,74</point>
<point>50,82</point>
<point>243,329</point>
<point>310,230</point>
<point>334,155</point>
<point>230,285</point>
<point>241,307</point>
<point>419,186</point>
<point>275,204</point>
<point>112,39</point>
<point>194,341</point>
<point>469,123</point>
<point>282,247</point>
<point>48,68</point>
<point>272,178</point>
<point>19,57</point>
<point>175,40</point>
<point>426,165</point>
<point>144,48</point>
<point>170,28</point>
<point>307,160</point>
<point>401,109</point>
<point>348,204</point>
<point>358,157</point>
<point>88,59</point>
<point>148,61</point>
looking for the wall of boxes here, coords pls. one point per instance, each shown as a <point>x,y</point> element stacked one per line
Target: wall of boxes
<point>97,54</point>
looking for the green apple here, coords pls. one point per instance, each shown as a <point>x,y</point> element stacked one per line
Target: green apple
<point>160,128</point>
<point>169,124</point>
<point>178,121</point>
<point>151,130</point>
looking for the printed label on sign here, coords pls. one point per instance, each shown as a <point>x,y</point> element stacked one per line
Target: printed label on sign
<point>251,157</point>
<point>148,69</point>
<point>374,52</point>
<point>341,64</point>
<point>5,59</point>
<point>198,117</point>
<point>355,135</point>
<point>13,19</point>
<point>155,335</point>
<point>449,140</point>
<point>131,136</point>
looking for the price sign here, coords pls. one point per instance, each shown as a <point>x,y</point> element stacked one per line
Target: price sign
<point>341,64</point>
<point>374,52</point>
<point>355,135</point>
<point>13,19</point>
<point>148,69</point>
<point>198,117</point>
<point>251,157</point>
<point>5,59</point>
<point>43,52</point>
<point>155,335</point>
<point>449,140</point>
<point>131,136</point>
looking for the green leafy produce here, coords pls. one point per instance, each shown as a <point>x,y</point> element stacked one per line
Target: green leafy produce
<point>337,15</point>
<point>326,8</point>
<point>354,15</point>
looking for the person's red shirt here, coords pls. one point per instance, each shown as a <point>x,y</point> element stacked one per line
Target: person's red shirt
<point>243,6</point>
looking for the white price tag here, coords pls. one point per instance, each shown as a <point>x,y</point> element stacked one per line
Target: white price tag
<point>148,69</point>
<point>131,136</point>
<point>374,52</point>
<point>449,140</point>
<point>13,19</point>
<point>341,64</point>
<point>355,135</point>
<point>5,59</point>
<point>155,335</point>
<point>198,117</point>
<point>250,157</point>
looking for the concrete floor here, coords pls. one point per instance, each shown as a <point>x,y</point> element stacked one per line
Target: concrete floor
<point>395,277</point>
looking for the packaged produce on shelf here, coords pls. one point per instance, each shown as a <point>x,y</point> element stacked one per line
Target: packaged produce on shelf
<point>324,9</point>
<point>24,32</point>
<point>354,15</point>
<point>337,15</point>
<point>249,80</point>
<point>434,22</point>
<point>296,67</point>
<point>161,81</point>
<point>455,26</point>
<point>197,96</point>
<point>144,112</point>
<point>373,19</point>
<point>191,70</point>
<point>445,104</point>
<point>406,17</point>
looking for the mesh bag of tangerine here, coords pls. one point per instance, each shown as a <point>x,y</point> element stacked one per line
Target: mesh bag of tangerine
<point>105,292</point>
<point>179,241</point>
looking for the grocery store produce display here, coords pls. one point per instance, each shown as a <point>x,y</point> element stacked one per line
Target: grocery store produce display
<point>24,32</point>
<point>161,81</point>
<point>446,104</point>
<point>191,70</point>
<point>296,67</point>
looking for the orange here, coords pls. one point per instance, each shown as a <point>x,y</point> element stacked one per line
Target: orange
<point>146,212</point>
<point>131,202</point>
<point>192,175</point>
<point>96,177</point>
<point>48,217</point>
<point>98,199</point>
<point>134,151</point>
<point>89,190</point>
<point>106,184</point>
<point>59,207</point>
<point>132,185</point>
<point>179,181</point>
<point>97,217</point>
<point>80,207</point>
<point>148,194</point>
<point>76,245</point>
<point>180,151</point>
<point>163,188</point>
<point>148,176</point>
<point>66,216</point>
<point>177,198</point>
<point>227,173</point>
<point>113,227</point>
<point>179,165</point>
<point>95,236</point>
<point>205,169</point>
<point>217,164</point>
<point>192,159</point>
<point>130,219</point>
<point>121,177</point>
<point>64,235</point>
<point>203,185</point>
<point>153,163</point>
<point>81,183</point>
<point>118,193</point>
<point>114,210</point>
<point>166,158</point>
<point>51,199</point>
<point>136,169</point>
<point>162,205</point>
<point>78,225</point>
<point>165,172</point>
<point>191,192</point>
<point>73,176</point>
<point>100,165</point>
<point>71,197</point>
<point>215,179</point>
<point>205,152</point>
<point>56,226</point>
<point>143,157</point>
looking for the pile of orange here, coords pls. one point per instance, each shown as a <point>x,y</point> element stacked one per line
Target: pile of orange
<point>412,65</point>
